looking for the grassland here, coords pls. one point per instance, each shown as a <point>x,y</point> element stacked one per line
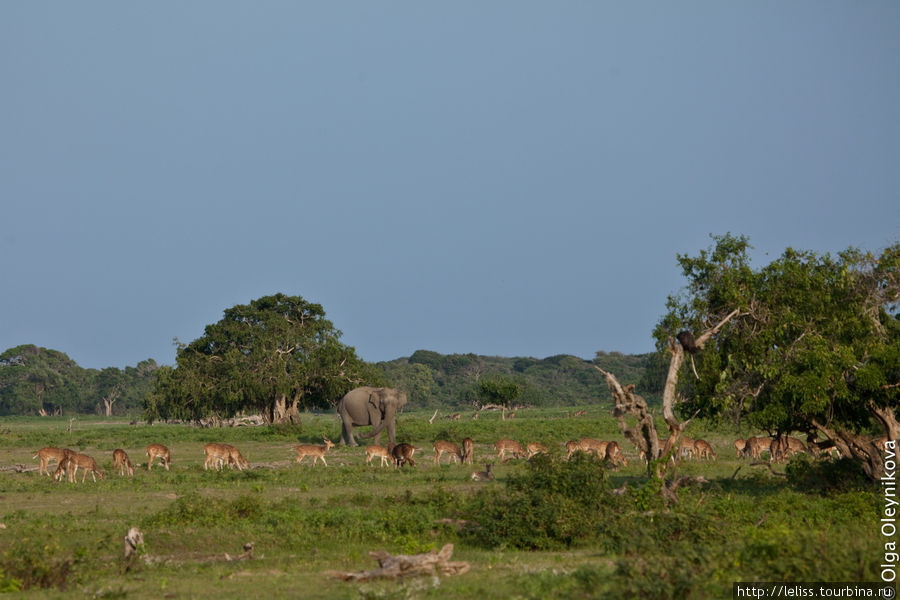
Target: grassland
<point>554,530</point>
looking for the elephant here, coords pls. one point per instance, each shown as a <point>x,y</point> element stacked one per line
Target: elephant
<point>370,406</point>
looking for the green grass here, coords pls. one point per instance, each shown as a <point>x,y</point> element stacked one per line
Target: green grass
<point>307,520</point>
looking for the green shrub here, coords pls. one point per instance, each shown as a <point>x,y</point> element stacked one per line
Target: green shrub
<point>825,475</point>
<point>36,559</point>
<point>552,504</point>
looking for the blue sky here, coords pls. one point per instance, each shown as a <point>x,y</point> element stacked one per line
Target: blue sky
<point>507,178</point>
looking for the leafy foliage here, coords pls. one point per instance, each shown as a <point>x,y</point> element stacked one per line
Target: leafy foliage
<point>276,349</point>
<point>34,379</point>
<point>816,344</point>
<point>454,380</point>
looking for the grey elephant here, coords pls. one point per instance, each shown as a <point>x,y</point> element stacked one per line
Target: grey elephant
<point>370,406</point>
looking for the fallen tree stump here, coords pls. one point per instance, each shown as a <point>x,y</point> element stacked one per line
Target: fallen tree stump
<point>403,565</point>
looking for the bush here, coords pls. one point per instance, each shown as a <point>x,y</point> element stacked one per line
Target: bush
<point>553,504</point>
<point>822,476</point>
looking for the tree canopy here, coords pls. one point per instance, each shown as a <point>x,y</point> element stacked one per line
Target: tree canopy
<point>272,356</point>
<point>37,380</point>
<point>815,347</point>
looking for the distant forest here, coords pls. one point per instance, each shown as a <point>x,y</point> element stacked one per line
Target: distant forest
<point>37,380</point>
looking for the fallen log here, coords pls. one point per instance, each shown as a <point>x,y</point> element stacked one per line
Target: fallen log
<point>403,565</point>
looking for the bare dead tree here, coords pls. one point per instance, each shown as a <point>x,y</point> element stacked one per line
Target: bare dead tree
<point>643,433</point>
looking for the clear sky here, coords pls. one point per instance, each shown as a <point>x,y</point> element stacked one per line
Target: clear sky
<point>508,178</point>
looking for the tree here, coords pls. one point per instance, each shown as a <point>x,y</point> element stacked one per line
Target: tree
<point>499,390</point>
<point>816,348</point>
<point>273,356</point>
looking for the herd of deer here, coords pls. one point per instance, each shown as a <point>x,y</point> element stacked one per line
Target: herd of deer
<point>218,455</point>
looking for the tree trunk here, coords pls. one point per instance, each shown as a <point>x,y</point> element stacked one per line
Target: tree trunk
<point>669,393</point>
<point>644,435</point>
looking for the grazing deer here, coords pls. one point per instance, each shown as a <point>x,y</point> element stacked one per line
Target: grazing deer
<point>403,453</point>
<point>379,451</point>
<point>82,461</point>
<point>587,445</point>
<point>534,448</point>
<point>474,415</point>
<point>580,413</point>
<point>703,449</point>
<point>158,450</point>
<point>122,463</point>
<point>780,449</point>
<point>756,446</point>
<point>442,447</point>
<point>485,475</point>
<point>317,451</point>
<point>614,454</point>
<point>222,453</point>
<point>740,447</point>
<point>511,446</point>
<point>50,453</point>
<point>685,447</point>
<point>63,468</point>
<point>455,417</point>
<point>468,451</point>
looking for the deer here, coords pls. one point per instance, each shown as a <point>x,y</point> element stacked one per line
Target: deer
<point>468,450</point>
<point>222,453</point>
<point>403,453</point>
<point>485,475</point>
<point>442,447</point>
<point>703,449</point>
<point>160,451</point>
<point>122,463</point>
<point>756,445</point>
<point>63,468</point>
<point>50,453</point>
<point>503,446</point>
<point>785,447</point>
<point>685,447</point>
<point>317,451</point>
<point>379,451</point>
<point>75,461</point>
<point>740,447</point>
<point>534,449</point>
<point>587,445</point>
<point>614,454</point>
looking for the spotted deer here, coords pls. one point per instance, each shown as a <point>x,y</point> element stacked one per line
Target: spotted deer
<point>703,449</point>
<point>219,454</point>
<point>50,453</point>
<point>515,448</point>
<point>380,452</point>
<point>122,463</point>
<point>403,454</point>
<point>468,451</point>
<point>485,475</point>
<point>77,461</point>
<point>442,447</point>
<point>534,449</point>
<point>155,451</point>
<point>317,451</point>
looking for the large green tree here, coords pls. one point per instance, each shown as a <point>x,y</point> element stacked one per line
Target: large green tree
<point>272,356</point>
<point>815,346</point>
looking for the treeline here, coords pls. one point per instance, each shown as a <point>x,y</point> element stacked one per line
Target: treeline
<point>454,380</point>
<point>36,380</point>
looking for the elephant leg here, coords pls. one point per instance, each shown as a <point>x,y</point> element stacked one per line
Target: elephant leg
<point>347,428</point>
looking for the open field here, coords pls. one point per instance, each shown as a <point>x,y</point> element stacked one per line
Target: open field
<point>548,530</point>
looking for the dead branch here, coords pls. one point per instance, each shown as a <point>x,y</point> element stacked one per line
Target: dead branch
<point>402,565</point>
<point>245,555</point>
<point>763,463</point>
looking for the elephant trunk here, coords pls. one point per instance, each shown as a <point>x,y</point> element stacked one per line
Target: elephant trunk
<point>387,420</point>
